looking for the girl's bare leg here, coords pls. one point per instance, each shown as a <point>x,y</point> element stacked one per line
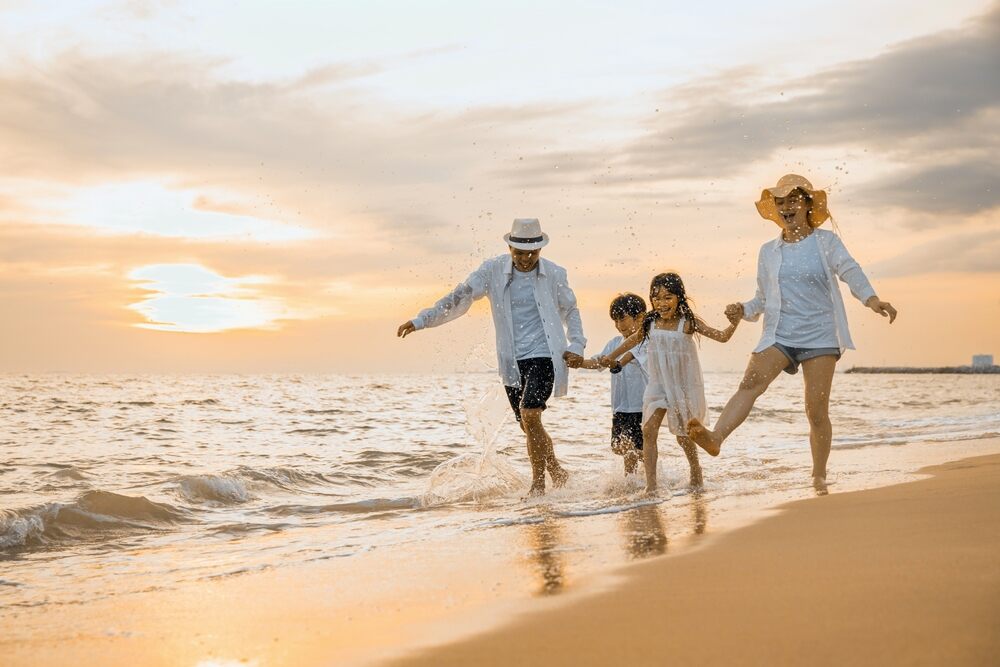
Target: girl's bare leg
<point>818,375</point>
<point>691,452</point>
<point>762,368</point>
<point>649,453</point>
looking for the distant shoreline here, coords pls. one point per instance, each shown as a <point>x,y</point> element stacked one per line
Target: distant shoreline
<point>952,370</point>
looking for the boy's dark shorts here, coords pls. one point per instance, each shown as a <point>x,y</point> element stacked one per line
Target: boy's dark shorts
<point>626,432</point>
<point>796,355</point>
<point>538,376</point>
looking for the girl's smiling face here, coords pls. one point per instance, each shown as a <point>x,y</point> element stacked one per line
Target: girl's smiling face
<point>664,302</point>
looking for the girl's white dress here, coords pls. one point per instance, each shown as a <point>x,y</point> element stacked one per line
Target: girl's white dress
<point>675,381</point>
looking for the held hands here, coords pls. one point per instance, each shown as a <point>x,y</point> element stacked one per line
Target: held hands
<point>734,312</point>
<point>883,308</point>
<point>405,329</point>
<point>572,359</point>
<point>606,362</point>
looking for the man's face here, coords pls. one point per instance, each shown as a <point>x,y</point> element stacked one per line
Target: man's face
<point>525,260</point>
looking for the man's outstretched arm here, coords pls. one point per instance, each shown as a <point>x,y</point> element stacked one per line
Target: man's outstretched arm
<point>451,306</point>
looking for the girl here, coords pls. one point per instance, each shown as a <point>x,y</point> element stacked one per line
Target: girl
<point>675,390</point>
<point>804,318</point>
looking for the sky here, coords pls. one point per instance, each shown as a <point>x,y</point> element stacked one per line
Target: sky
<point>190,188</point>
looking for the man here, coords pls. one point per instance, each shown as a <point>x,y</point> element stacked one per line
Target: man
<point>534,310</point>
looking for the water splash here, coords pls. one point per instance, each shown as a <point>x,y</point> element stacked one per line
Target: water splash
<point>477,476</point>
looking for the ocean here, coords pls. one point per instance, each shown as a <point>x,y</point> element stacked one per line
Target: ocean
<point>111,485</point>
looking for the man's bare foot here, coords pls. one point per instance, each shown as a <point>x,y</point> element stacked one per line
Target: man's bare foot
<point>559,477</point>
<point>650,491</point>
<point>704,438</point>
<point>537,489</point>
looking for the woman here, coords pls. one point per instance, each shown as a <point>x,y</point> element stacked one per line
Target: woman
<point>804,318</point>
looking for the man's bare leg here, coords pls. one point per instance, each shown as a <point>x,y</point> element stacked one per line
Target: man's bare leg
<point>691,452</point>
<point>762,368</point>
<point>650,431</point>
<point>631,461</point>
<point>818,376</point>
<point>536,451</point>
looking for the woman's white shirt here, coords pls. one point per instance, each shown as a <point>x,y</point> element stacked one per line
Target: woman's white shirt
<point>806,317</point>
<point>836,263</point>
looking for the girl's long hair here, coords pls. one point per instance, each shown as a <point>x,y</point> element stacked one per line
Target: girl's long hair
<point>672,283</point>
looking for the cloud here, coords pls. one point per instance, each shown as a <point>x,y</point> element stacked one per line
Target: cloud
<point>970,252</point>
<point>962,188</point>
<point>932,103</point>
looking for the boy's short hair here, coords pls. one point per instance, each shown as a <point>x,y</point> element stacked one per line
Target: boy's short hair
<point>627,305</point>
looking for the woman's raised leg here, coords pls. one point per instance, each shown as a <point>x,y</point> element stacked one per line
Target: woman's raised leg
<point>762,368</point>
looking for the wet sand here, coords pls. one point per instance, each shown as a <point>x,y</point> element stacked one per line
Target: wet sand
<point>901,574</point>
<point>908,574</point>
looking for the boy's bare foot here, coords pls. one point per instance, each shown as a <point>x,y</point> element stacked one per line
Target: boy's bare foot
<point>559,477</point>
<point>703,437</point>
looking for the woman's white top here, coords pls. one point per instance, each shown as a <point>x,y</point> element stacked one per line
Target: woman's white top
<point>806,316</point>
<point>529,334</point>
<point>836,262</point>
<point>628,386</point>
<point>675,381</point>
<point>556,306</point>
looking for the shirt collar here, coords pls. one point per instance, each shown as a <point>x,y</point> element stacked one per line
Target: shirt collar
<point>508,266</point>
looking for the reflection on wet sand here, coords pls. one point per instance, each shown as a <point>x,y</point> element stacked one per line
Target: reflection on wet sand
<point>644,528</point>
<point>544,539</point>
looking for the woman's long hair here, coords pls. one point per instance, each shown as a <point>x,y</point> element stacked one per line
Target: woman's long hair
<point>672,283</point>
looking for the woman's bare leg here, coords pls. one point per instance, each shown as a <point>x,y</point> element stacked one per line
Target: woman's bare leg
<point>818,375</point>
<point>650,430</point>
<point>762,368</point>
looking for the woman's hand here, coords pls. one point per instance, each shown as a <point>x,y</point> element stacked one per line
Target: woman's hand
<point>734,312</point>
<point>405,329</point>
<point>883,308</point>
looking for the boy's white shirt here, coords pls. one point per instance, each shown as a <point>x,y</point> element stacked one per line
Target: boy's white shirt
<point>556,305</point>
<point>836,262</point>
<point>628,386</point>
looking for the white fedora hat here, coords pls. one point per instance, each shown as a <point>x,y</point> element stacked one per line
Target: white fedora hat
<point>526,234</point>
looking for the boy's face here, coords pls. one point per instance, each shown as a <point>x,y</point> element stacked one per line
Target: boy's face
<point>629,324</point>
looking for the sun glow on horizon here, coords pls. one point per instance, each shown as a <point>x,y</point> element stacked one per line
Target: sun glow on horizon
<point>190,298</point>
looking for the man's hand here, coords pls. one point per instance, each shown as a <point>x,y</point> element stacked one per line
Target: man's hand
<point>572,359</point>
<point>883,308</point>
<point>734,312</point>
<point>405,329</point>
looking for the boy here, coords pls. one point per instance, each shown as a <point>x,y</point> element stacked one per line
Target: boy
<point>628,380</point>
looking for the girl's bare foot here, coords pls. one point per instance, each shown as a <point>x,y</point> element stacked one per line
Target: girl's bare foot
<point>704,438</point>
<point>559,477</point>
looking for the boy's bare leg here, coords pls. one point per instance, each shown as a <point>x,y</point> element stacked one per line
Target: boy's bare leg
<point>531,424</point>
<point>691,452</point>
<point>631,461</point>
<point>649,452</point>
<point>762,368</point>
<point>818,376</point>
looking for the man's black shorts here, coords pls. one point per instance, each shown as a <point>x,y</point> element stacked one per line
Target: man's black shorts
<point>538,375</point>
<point>626,432</point>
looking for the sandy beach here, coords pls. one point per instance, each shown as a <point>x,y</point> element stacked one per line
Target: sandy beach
<point>905,574</point>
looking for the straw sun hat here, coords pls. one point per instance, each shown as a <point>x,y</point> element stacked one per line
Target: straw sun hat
<point>786,184</point>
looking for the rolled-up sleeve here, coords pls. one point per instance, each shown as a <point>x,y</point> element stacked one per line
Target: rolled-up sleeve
<point>570,315</point>
<point>849,271</point>
<point>457,302</point>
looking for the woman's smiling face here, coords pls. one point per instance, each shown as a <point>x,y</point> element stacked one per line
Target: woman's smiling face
<point>793,208</point>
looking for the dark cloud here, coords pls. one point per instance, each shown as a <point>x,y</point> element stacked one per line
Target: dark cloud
<point>969,252</point>
<point>963,188</point>
<point>926,102</point>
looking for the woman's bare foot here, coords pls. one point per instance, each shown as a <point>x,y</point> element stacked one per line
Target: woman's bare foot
<point>559,477</point>
<point>704,438</point>
<point>820,485</point>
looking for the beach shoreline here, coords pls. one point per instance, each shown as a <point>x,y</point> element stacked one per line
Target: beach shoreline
<point>458,596</point>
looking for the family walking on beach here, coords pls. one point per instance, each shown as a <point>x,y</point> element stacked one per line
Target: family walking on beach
<point>656,376</point>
